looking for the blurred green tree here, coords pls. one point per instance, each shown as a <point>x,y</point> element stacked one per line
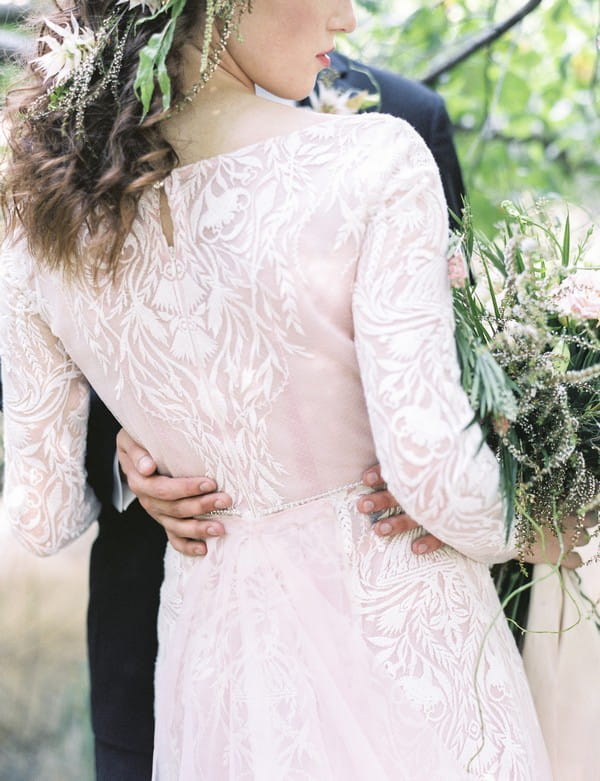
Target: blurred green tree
<point>525,105</point>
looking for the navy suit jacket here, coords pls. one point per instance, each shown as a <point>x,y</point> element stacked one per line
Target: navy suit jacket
<point>126,567</point>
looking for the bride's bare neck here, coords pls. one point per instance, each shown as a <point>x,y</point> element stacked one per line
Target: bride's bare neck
<point>227,115</point>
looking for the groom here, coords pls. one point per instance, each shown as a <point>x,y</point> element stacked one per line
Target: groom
<point>126,561</point>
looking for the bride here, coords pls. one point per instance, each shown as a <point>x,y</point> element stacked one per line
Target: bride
<point>259,294</point>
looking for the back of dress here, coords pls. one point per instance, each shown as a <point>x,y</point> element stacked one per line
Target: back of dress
<point>232,352</point>
<point>299,329</point>
<point>255,302</point>
<point>307,283</point>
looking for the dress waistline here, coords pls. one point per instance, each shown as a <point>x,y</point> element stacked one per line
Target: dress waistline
<point>234,512</point>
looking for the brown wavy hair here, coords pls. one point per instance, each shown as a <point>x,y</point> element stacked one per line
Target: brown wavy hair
<point>58,184</point>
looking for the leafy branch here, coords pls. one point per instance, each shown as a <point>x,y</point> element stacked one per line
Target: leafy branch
<point>479,41</point>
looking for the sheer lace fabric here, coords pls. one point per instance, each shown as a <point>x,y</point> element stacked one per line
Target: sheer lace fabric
<point>299,330</point>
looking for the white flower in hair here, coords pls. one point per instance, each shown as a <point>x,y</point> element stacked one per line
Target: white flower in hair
<point>66,55</point>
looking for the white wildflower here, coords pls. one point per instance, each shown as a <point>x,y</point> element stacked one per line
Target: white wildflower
<point>66,55</point>
<point>516,329</point>
<point>528,245</point>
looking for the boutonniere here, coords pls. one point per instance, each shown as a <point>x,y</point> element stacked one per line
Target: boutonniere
<point>328,99</point>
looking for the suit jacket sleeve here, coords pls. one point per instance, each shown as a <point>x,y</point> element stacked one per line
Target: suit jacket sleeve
<point>442,147</point>
<point>100,449</point>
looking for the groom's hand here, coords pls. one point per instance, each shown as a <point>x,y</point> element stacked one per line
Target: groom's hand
<point>549,549</point>
<point>552,548</point>
<point>380,503</point>
<point>174,502</point>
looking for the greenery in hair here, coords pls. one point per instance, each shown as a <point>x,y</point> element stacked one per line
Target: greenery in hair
<point>152,68</point>
<point>84,64</point>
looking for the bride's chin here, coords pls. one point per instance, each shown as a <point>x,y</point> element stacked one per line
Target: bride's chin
<point>300,92</point>
<point>296,88</point>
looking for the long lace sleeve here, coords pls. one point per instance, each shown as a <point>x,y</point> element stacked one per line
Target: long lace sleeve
<point>431,459</point>
<point>46,400</point>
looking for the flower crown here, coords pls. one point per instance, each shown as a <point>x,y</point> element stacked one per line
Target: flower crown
<point>81,64</point>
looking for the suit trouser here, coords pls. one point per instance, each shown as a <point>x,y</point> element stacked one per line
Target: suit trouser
<point>114,763</point>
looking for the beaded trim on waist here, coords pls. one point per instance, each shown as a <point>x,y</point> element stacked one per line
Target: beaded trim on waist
<point>236,512</point>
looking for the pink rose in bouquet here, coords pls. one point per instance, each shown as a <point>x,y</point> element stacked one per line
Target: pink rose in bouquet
<point>578,295</point>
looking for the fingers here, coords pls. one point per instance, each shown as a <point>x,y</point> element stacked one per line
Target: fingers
<point>552,556</point>
<point>179,497</point>
<point>381,501</point>
<point>133,456</point>
<point>376,502</point>
<point>188,536</point>
<point>553,550</point>
<point>574,534</point>
<point>395,524</point>
<point>591,518</point>
<point>579,538</point>
<point>174,502</point>
<point>572,560</point>
<point>556,546</point>
<point>577,522</point>
<point>167,497</point>
<point>187,533</point>
<point>187,547</point>
<point>427,543</point>
<point>372,477</point>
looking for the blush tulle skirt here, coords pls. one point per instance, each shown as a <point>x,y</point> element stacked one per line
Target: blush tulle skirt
<point>281,660</point>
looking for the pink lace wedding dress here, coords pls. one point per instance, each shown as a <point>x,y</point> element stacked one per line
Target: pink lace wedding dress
<point>299,330</point>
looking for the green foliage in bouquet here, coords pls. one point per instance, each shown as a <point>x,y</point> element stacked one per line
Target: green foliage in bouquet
<point>528,340</point>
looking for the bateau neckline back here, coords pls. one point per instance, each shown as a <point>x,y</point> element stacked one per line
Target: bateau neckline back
<point>181,169</point>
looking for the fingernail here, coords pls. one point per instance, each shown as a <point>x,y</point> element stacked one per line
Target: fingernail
<point>205,486</point>
<point>214,530</point>
<point>368,506</point>
<point>145,463</point>
<point>421,547</point>
<point>200,550</point>
<point>220,504</point>
<point>385,528</point>
<point>372,478</point>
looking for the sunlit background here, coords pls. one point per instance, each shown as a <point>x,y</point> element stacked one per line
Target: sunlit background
<point>526,108</point>
<point>44,721</point>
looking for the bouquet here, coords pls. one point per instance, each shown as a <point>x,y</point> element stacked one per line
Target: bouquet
<point>527,308</point>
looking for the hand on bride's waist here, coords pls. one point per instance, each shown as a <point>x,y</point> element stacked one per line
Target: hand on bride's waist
<point>387,515</point>
<point>389,519</point>
<point>177,502</point>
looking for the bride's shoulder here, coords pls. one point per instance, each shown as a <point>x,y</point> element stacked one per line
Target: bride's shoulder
<point>382,140</point>
<point>382,143</point>
<point>364,130</point>
<point>381,131</point>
